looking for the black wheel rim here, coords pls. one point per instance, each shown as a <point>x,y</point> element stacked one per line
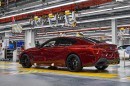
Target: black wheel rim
<point>73,63</point>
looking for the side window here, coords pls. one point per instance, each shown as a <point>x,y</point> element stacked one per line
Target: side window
<point>65,42</point>
<point>49,44</point>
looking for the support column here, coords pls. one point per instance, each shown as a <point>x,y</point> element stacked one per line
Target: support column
<point>2,55</point>
<point>129,41</point>
<point>114,31</point>
<point>120,42</point>
<point>29,39</point>
<point>5,44</point>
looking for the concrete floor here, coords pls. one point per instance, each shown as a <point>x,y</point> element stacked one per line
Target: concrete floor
<point>12,74</point>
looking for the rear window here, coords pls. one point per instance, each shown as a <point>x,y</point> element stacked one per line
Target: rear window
<point>91,40</point>
<point>66,41</point>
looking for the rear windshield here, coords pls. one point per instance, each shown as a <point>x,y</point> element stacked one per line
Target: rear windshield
<point>91,40</point>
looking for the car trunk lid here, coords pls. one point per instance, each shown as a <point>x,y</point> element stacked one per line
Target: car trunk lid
<point>108,47</point>
<point>109,50</point>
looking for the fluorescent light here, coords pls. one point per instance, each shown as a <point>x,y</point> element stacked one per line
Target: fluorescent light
<point>97,11</point>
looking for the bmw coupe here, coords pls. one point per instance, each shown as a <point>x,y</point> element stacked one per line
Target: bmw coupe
<point>71,52</point>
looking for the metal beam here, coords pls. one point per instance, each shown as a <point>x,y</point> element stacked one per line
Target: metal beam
<point>79,22</point>
<point>114,31</point>
<point>104,11</point>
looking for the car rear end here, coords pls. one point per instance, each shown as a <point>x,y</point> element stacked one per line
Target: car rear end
<point>106,52</point>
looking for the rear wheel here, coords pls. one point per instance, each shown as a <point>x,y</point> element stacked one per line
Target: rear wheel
<point>73,63</point>
<point>25,61</point>
<point>102,66</point>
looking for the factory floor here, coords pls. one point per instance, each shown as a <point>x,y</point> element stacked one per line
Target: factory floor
<point>12,74</point>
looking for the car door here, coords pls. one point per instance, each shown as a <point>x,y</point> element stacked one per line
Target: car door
<point>46,54</point>
<point>60,51</point>
<point>54,52</point>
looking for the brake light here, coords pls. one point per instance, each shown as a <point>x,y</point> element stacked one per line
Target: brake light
<point>97,51</point>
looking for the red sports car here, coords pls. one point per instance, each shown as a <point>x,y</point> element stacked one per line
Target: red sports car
<point>71,52</point>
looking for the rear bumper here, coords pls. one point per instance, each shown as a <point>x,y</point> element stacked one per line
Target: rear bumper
<point>111,57</point>
<point>105,61</point>
<point>114,61</point>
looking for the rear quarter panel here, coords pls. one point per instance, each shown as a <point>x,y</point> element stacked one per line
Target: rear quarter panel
<point>84,52</point>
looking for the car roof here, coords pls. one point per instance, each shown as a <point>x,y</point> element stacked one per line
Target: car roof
<point>72,37</point>
<point>80,39</point>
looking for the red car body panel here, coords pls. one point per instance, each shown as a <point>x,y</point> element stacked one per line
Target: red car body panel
<point>89,53</point>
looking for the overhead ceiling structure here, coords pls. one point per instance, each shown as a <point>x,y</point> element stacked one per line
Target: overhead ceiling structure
<point>61,7</point>
<point>78,4</point>
<point>91,14</point>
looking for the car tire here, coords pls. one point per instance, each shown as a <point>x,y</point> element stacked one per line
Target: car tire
<point>73,63</point>
<point>101,67</point>
<point>25,61</point>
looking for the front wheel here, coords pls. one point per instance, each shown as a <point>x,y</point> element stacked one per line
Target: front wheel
<point>73,63</point>
<point>25,61</point>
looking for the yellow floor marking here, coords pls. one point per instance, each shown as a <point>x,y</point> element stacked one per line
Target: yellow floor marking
<point>85,74</point>
<point>7,66</point>
<point>20,70</point>
<point>128,78</point>
<point>4,67</point>
<point>7,62</point>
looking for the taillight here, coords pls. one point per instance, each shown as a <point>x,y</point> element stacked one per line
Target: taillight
<point>97,51</point>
